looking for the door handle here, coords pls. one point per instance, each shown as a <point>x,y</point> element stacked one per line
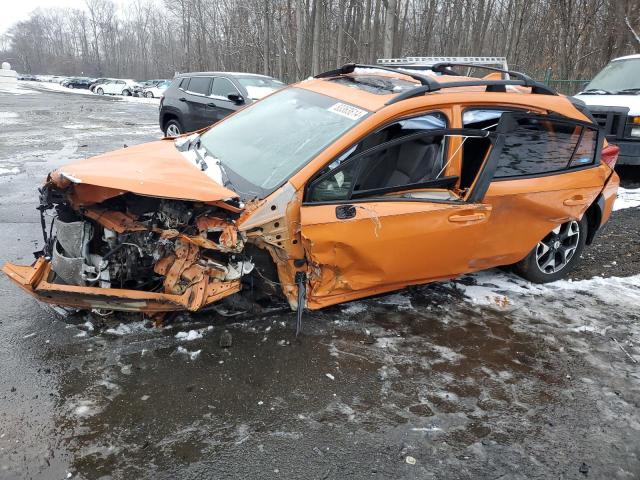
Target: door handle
<point>575,201</point>
<point>211,104</point>
<point>344,212</point>
<point>182,99</point>
<point>472,217</point>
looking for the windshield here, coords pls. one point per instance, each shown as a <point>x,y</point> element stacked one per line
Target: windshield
<point>617,76</point>
<point>261,146</point>
<point>259,87</point>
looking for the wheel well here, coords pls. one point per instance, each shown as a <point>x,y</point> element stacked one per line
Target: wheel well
<point>594,218</point>
<point>166,118</point>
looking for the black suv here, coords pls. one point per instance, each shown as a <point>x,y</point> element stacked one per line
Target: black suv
<point>197,100</point>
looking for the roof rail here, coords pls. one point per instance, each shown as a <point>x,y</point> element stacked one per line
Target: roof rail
<point>492,86</point>
<point>350,68</point>
<point>430,84</point>
<point>536,87</point>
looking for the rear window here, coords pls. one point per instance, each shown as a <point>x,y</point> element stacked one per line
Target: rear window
<point>199,85</point>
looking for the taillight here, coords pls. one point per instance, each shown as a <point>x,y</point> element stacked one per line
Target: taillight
<point>610,155</point>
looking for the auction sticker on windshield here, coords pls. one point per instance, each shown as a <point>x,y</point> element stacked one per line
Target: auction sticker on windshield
<point>349,111</point>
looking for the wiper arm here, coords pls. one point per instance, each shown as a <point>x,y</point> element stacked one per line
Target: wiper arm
<point>628,90</point>
<point>195,145</point>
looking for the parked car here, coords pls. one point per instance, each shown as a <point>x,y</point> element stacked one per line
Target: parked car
<point>26,77</point>
<point>116,87</point>
<point>157,90</point>
<point>138,91</point>
<point>197,100</point>
<point>77,83</point>
<point>98,81</point>
<point>352,184</point>
<point>613,97</point>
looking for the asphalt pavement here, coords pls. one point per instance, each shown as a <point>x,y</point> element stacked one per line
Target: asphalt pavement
<point>484,377</point>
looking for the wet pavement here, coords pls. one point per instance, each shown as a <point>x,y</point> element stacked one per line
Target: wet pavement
<point>484,377</point>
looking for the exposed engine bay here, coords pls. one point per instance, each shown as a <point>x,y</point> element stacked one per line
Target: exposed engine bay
<point>176,247</point>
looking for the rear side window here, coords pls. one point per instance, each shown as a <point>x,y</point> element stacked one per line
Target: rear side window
<point>538,146</point>
<point>585,153</point>
<point>534,144</point>
<point>222,88</point>
<point>199,85</point>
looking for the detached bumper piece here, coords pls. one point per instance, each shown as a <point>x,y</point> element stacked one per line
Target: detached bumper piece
<point>33,279</point>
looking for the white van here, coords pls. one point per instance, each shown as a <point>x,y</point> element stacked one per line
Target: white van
<point>613,97</point>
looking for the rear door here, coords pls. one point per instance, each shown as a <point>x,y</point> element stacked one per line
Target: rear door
<point>196,99</point>
<point>381,216</point>
<point>547,173</point>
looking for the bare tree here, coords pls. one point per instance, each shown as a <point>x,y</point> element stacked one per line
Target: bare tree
<point>293,38</point>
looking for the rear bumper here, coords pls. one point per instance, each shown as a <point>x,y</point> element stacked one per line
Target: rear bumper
<point>609,195</point>
<point>33,279</point>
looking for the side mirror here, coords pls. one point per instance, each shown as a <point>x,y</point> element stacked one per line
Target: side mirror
<point>236,98</point>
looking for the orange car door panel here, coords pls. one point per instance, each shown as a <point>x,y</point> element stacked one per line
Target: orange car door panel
<point>528,207</point>
<point>388,243</point>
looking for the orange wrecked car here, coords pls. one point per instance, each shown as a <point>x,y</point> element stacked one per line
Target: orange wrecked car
<point>359,181</point>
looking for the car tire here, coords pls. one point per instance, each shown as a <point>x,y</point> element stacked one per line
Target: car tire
<point>149,94</point>
<point>69,86</point>
<point>556,254</point>
<point>126,93</point>
<point>173,129</point>
<point>100,91</point>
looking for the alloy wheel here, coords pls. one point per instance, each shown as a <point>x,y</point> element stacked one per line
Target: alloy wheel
<point>173,130</point>
<point>555,250</point>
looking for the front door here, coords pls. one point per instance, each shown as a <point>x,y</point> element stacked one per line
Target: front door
<point>220,105</point>
<point>386,218</point>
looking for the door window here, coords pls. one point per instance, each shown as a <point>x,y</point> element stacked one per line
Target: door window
<point>534,144</point>
<point>222,88</point>
<point>199,85</point>
<point>404,155</point>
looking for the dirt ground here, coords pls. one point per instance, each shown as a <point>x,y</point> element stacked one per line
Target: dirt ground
<point>483,377</point>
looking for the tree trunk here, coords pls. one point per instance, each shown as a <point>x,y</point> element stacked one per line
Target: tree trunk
<point>389,28</point>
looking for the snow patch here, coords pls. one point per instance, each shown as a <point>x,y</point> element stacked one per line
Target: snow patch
<point>192,355</point>
<point>354,308</point>
<point>16,90</point>
<point>627,198</point>
<point>189,336</point>
<point>9,171</point>
<point>8,118</point>
<point>85,408</point>
<point>126,329</point>
<point>552,301</point>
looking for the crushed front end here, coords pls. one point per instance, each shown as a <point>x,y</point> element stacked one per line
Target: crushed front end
<point>129,252</point>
